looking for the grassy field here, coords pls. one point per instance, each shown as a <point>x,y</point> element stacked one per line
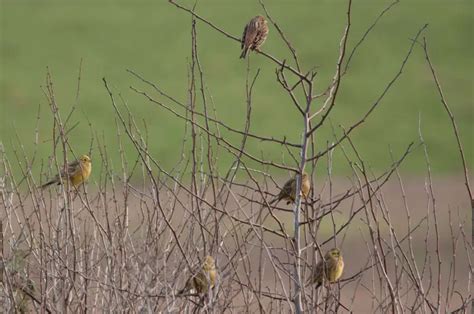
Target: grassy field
<point>153,39</point>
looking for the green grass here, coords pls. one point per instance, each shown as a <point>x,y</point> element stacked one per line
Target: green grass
<point>153,39</point>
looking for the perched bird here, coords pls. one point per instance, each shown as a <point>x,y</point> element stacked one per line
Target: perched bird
<point>288,192</point>
<point>202,280</point>
<point>328,270</point>
<point>78,171</point>
<point>255,33</point>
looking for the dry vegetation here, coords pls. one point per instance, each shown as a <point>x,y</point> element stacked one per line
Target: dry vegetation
<point>129,240</point>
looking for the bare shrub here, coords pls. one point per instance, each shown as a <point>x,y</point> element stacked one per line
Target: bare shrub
<point>117,244</point>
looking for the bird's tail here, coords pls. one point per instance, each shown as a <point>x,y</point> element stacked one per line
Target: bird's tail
<point>48,183</point>
<point>243,55</point>
<point>185,289</point>
<point>275,200</point>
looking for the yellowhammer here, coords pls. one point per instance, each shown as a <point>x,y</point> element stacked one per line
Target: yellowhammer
<point>202,280</point>
<point>328,270</point>
<point>288,192</point>
<point>78,171</point>
<point>255,33</point>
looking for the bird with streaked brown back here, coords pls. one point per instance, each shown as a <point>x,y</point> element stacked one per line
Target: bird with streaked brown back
<point>328,270</point>
<point>201,281</point>
<point>78,171</point>
<point>288,192</point>
<point>255,33</point>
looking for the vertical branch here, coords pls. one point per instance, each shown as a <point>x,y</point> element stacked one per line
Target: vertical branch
<point>192,108</point>
<point>296,221</point>
<point>456,134</point>
<point>307,131</point>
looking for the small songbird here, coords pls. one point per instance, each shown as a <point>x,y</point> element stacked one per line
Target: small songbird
<point>202,280</point>
<point>255,33</point>
<point>329,270</point>
<point>288,192</point>
<point>78,171</point>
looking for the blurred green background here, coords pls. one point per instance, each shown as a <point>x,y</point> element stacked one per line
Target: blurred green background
<point>153,39</point>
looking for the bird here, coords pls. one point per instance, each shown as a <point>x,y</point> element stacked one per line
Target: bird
<point>329,269</point>
<point>288,192</point>
<point>201,281</point>
<point>78,171</point>
<point>255,33</point>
